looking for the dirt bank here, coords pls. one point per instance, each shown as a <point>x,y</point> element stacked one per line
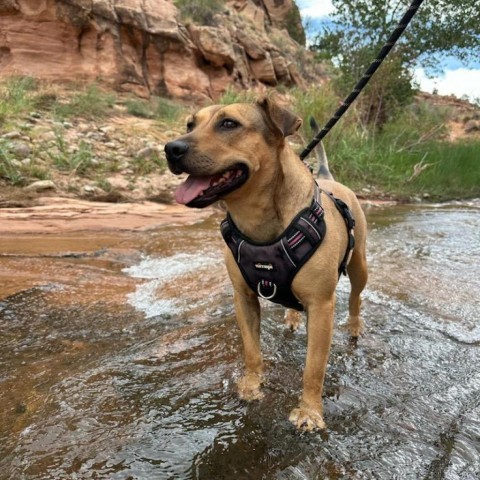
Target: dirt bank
<point>53,214</point>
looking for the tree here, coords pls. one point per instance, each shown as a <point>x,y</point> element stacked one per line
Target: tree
<point>360,27</point>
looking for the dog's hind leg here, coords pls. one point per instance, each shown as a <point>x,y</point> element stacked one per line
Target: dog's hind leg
<point>358,275</point>
<point>247,309</point>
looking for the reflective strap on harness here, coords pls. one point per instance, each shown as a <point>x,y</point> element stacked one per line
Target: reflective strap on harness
<point>342,207</point>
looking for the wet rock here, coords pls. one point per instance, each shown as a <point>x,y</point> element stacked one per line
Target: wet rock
<point>41,186</point>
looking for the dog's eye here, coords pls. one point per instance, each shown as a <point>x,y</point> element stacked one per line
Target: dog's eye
<point>190,126</point>
<point>228,124</point>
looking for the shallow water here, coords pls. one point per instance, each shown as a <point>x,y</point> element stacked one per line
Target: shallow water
<point>120,355</point>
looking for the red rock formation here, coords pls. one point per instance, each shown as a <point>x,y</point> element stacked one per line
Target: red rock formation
<point>143,46</point>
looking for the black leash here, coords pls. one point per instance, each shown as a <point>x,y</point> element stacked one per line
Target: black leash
<point>412,10</point>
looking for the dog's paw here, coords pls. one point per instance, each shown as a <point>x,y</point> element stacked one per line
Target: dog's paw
<point>249,387</point>
<point>355,326</point>
<point>307,418</point>
<point>292,319</point>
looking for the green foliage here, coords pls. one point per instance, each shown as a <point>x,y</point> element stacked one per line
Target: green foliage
<point>199,11</point>
<point>407,156</point>
<point>167,110</point>
<point>17,94</point>
<point>360,28</point>
<point>146,165</point>
<point>9,167</point>
<point>453,171</point>
<point>293,24</point>
<point>156,108</point>
<point>74,161</point>
<point>16,172</point>
<point>139,108</point>
<point>232,95</point>
<point>91,103</point>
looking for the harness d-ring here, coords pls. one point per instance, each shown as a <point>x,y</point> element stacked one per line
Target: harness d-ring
<point>260,294</point>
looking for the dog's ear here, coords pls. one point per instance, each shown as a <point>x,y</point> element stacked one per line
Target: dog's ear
<point>283,121</point>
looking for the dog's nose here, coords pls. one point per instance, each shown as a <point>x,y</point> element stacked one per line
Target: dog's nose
<point>176,150</point>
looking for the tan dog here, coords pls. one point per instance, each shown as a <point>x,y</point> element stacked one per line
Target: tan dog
<point>238,153</point>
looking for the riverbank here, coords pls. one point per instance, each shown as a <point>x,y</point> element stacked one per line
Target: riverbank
<point>82,142</point>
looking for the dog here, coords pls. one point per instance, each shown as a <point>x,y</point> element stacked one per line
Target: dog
<point>239,154</point>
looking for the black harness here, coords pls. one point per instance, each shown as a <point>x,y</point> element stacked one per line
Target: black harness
<point>269,268</point>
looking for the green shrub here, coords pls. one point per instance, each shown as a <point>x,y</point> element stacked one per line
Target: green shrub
<point>166,110</point>
<point>139,108</point>
<point>78,161</point>
<point>199,11</point>
<point>232,95</point>
<point>89,103</point>
<point>17,94</point>
<point>9,168</point>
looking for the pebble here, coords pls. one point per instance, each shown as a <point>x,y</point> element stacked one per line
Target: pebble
<point>12,135</point>
<point>147,152</point>
<point>107,129</point>
<point>41,185</point>
<point>20,149</point>
<point>47,136</point>
<point>92,190</point>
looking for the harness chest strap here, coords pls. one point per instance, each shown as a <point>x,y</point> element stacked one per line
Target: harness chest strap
<point>269,268</point>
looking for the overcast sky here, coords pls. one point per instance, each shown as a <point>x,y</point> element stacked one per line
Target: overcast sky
<point>457,79</point>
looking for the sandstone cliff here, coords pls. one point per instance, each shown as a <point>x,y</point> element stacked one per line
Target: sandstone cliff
<point>152,47</point>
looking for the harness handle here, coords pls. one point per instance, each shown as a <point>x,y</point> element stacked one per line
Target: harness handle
<point>412,10</point>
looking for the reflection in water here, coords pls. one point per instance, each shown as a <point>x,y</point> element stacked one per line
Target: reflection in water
<point>114,366</point>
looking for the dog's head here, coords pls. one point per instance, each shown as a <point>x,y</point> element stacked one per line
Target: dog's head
<point>226,147</point>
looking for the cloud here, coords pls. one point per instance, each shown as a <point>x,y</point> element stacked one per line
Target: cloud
<point>458,82</point>
<point>315,9</point>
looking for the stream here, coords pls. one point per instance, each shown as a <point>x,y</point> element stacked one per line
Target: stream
<point>120,354</point>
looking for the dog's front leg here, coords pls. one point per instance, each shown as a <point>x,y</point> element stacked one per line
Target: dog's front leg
<point>247,309</point>
<point>309,414</point>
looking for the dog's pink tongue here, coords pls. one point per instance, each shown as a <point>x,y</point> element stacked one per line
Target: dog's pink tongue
<point>191,188</point>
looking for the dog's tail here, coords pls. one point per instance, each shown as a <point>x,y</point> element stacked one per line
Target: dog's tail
<point>323,170</point>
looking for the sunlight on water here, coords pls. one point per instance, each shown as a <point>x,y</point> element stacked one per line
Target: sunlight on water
<point>149,297</point>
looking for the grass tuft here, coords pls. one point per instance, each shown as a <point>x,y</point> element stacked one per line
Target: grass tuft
<point>90,103</point>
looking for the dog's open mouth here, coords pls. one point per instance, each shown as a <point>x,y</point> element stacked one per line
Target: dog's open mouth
<point>201,191</point>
